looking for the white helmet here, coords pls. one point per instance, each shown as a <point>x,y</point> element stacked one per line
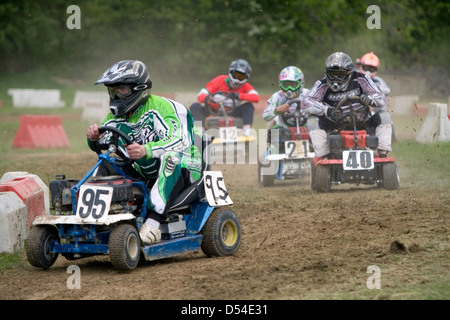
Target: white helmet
<point>291,80</point>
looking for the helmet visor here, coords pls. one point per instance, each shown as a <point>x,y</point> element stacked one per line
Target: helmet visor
<point>290,85</point>
<point>337,74</point>
<point>238,75</point>
<point>371,69</point>
<point>120,92</point>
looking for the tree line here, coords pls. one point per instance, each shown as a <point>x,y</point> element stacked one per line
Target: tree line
<point>184,40</point>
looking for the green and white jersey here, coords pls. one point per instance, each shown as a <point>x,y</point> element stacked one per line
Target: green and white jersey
<point>161,125</point>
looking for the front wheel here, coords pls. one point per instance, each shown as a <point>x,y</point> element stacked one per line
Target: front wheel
<point>221,233</point>
<point>38,247</point>
<point>124,247</point>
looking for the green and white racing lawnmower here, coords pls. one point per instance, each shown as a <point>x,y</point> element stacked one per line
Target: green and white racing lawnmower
<point>103,215</point>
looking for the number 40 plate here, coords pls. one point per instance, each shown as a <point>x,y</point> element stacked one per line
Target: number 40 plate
<point>357,159</point>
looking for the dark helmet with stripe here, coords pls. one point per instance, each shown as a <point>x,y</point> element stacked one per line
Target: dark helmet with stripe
<point>128,84</point>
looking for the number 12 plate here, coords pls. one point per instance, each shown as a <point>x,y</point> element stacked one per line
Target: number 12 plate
<point>357,159</point>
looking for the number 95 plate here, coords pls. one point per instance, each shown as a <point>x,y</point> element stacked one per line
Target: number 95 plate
<point>94,203</point>
<point>357,159</point>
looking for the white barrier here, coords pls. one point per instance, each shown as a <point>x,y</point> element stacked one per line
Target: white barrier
<point>13,222</point>
<point>36,98</point>
<point>95,105</point>
<point>436,126</point>
<point>20,174</point>
<point>402,105</point>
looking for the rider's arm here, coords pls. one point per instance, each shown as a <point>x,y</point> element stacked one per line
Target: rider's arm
<point>215,85</point>
<point>248,93</point>
<point>313,101</point>
<point>270,112</point>
<point>370,89</point>
<point>382,85</point>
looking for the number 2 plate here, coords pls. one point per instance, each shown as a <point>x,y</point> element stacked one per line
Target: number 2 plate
<point>94,202</point>
<point>296,149</point>
<point>357,159</point>
<point>216,193</point>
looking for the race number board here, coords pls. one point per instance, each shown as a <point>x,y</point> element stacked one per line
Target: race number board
<point>357,160</point>
<point>216,192</point>
<point>228,134</point>
<point>94,203</point>
<point>296,149</point>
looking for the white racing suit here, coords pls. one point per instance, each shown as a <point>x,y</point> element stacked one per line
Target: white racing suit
<point>277,99</point>
<point>321,97</point>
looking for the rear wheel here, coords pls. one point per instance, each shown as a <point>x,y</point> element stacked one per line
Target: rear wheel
<point>124,247</point>
<point>38,247</point>
<point>391,179</point>
<point>221,233</point>
<point>265,178</point>
<point>322,180</point>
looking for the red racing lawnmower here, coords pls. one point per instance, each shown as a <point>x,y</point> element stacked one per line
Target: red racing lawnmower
<point>352,158</point>
<point>227,129</point>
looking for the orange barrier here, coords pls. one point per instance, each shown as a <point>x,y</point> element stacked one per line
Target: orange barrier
<point>40,132</point>
<point>30,193</point>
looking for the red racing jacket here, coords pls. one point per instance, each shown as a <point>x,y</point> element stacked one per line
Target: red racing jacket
<point>220,83</point>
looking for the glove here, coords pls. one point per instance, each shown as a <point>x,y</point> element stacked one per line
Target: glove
<point>366,101</point>
<point>233,95</point>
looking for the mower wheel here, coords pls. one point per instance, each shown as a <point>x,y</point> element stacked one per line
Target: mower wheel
<point>390,176</point>
<point>221,233</point>
<point>38,246</point>
<point>124,247</point>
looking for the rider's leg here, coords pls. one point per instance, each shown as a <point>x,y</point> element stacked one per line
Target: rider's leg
<point>318,137</point>
<point>384,134</point>
<point>246,112</point>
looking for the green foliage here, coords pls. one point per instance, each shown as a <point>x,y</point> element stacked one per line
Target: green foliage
<point>183,40</point>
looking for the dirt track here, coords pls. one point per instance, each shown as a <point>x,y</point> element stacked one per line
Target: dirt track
<point>296,244</point>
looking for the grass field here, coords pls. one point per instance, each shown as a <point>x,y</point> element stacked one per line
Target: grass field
<point>424,179</point>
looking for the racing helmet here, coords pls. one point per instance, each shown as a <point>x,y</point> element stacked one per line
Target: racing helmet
<point>370,64</point>
<point>338,70</point>
<point>291,80</point>
<point>128,84</point>
<point>239,73</point>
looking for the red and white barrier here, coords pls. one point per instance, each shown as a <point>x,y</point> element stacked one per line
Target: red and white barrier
<point>23,197</point>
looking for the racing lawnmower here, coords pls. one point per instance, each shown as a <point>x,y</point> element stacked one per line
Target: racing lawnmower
<point>227,129</point>
<point>288,154</point>
<point>352,158</point>
<point>102,215</point>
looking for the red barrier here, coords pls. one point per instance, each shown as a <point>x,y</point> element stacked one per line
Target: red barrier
<point>40,132</point>
<point>30,193</point>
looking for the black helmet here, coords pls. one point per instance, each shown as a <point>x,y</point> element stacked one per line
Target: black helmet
<point>239,73</point>
<point>129,85</point>
<point>338,69</point>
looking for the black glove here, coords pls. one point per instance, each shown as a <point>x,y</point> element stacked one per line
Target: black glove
<point>233,95</point>
<point>366,101</point>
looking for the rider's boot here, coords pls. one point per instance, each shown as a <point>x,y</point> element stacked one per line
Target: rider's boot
<point>150,232</point>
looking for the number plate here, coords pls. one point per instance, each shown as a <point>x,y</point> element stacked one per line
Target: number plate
<point>357,159</point>
<point>216,192</point>
<point>296,149</point>
<point>228,134</point>
<point>94,202</point>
